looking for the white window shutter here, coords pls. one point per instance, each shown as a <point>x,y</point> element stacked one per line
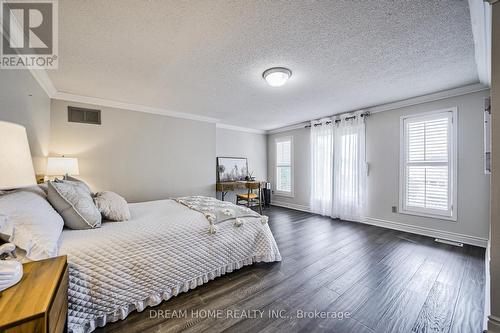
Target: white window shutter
<point>284,165</point>
<point>428,164</point>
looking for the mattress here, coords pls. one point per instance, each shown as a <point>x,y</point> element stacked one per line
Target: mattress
<point>163,250</point>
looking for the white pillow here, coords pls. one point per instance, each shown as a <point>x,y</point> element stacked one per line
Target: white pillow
<point>30,222</point>
<point>112,206</point>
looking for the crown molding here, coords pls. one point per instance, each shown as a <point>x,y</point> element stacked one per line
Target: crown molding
<point>472,88</point>
<point>402,103</point>
<point>129,106</point>
<point>480,14</point>
<point>288,128</point>
<point>43,79</point>
<point>240,129</point>
<point>45,82</point>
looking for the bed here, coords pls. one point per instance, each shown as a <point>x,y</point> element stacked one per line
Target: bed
<point>163,250</point>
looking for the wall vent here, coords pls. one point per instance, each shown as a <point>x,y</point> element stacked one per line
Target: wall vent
<point>82,115</point>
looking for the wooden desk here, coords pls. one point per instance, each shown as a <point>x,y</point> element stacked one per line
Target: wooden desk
<point>39,302</point>
<point>225,187</point>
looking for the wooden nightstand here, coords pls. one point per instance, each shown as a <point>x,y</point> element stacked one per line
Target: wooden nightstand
<point>39,302</point>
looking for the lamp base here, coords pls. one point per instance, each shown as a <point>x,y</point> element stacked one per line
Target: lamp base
<point>11,272</point>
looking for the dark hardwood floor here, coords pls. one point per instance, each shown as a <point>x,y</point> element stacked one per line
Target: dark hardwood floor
<point>360,278</point>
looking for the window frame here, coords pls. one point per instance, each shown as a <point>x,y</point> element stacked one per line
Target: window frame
<point>453,160</point>
<point>290,194</point>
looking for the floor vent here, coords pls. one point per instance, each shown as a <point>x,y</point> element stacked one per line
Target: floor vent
<point>449,242</point>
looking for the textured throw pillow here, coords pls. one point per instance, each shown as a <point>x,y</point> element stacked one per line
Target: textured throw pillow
<point>73,201</point>
<point>28,221</point>
<point>86,186</point>
<point>112,206</point>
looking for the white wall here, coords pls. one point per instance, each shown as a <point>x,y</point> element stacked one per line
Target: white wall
<point>23,101</point>
<point>382,145</point>
<point>230,143</point>
<point>138,155</point>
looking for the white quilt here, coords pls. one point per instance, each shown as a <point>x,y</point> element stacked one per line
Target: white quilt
<point>163,250</point>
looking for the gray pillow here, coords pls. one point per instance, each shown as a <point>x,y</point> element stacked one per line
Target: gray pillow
<point>73,179</point>
<point>112,206</point>
<point>74,203</point>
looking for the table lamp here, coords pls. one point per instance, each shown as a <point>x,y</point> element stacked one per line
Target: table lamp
<point>62,166</point>
<point>16,171</point>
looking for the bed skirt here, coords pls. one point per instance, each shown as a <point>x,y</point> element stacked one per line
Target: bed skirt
<point>157,298</point>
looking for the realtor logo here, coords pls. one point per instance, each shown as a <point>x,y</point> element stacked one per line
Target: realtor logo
<point>29,34</point>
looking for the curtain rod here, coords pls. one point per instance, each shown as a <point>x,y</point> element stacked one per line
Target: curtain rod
<point>364,114</point>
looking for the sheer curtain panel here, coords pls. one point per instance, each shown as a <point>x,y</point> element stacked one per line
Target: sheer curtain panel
<point>349,169</point>
<point>338,167</point>
<point>322,166</point>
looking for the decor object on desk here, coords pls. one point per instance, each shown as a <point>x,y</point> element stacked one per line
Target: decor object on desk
<point>112,206</point>
<point>62,166</point>
<point>231,169</point>
<point>250,177</point>
<point>16,170</point>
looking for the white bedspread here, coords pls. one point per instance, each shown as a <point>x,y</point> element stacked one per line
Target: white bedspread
<point>163,250</point>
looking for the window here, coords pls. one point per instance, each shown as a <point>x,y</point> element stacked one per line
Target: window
<point>284,172</point>
<point>428,165</point>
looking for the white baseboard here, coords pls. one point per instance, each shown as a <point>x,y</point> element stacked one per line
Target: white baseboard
<point>466,239</point>
<point>302,208</point>
<point>471,240</point>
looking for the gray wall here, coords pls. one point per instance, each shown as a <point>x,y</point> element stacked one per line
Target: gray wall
<point>33,112</point>
<point>382,145</point>
<point>138,155</point>
<point>382,148</point>
<point>494,265</point>
<point>301,168</point>
<point>232,143</point>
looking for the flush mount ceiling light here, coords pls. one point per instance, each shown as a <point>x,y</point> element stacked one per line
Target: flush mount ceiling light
<point>276,76</point>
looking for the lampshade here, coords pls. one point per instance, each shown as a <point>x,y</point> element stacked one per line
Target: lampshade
<point>16,166</point>
<point>59,166</point>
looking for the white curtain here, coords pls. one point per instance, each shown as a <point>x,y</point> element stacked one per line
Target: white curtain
<point>349,169</point>
<point>339,168</point>
<point>322,166</point>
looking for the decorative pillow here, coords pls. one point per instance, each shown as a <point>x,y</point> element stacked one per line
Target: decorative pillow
<point>74,203</point>
<point>112,206</point>
<point>73,179</point>
<point>28,221</point>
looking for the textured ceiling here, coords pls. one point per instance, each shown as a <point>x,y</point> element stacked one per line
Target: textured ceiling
<point>207,57</point>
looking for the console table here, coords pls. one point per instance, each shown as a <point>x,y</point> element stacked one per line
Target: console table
<point>225,187</point>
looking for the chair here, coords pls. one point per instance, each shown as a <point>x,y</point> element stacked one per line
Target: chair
<point>250,198</point>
